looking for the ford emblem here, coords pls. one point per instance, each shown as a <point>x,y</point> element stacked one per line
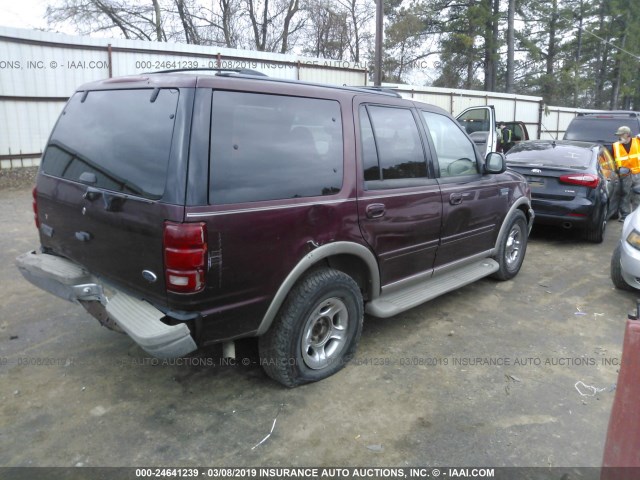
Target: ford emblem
<point>149,276</point>
<point>536,170</point>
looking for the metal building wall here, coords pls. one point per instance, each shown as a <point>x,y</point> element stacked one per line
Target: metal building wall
<point>39,71</point>
<point>508,107</point>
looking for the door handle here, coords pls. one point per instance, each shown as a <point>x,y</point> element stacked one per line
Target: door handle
<point>375,210</point>
<point>455,198</point>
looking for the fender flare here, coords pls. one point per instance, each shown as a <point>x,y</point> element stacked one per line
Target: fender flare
<point>311,259</point>
<point>516,206</point>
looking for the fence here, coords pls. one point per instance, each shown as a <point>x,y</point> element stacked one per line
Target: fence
<point>40,70</point>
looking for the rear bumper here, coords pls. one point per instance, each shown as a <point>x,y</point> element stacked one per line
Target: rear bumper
<point>138,318</point>
<point>581,213</point>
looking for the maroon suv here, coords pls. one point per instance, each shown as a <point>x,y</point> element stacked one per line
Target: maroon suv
<point>187,209</point>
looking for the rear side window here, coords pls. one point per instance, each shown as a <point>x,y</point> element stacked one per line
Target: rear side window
<point>270,147</point>
<point>119,139</point>
<point>391,146</point>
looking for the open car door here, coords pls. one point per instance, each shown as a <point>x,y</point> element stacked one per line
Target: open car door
<point>480,124</point>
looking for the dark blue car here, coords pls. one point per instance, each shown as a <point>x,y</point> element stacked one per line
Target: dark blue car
<point>573,184</point>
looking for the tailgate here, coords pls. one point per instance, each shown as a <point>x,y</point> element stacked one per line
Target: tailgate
<point>100,192</point>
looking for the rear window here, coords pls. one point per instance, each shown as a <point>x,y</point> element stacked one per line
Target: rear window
<point>550,154</point>
<point>598,129</point>
<point>118,140</point>
<point>270,147</point>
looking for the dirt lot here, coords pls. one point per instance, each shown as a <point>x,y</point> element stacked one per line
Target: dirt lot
<point>483,376</point>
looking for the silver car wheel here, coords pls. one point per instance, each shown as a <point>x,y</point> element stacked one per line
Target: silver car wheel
<point>513,246</point>
<point>325,333</point>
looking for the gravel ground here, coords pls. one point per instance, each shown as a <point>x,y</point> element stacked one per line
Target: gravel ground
<point>17,177</point>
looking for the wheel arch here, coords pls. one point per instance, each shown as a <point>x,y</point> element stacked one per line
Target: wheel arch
<point>354,259</point>
<point>524,206</point>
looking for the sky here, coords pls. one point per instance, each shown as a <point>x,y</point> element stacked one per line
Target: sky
<point>23,13</point>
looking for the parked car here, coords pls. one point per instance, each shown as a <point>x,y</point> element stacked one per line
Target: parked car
<point>190,209</point>
<point>573,184</point>
<point>625,261</point>
<point>481,125</point>
<point>601,127</point>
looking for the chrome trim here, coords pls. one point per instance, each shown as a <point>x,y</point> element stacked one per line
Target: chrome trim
<point>460,263</point>
<point>90,291</point>
<point>433,273</point>
<point>271,207</point>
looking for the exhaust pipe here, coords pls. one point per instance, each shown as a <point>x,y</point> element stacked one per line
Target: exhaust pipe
<point>567,225</point>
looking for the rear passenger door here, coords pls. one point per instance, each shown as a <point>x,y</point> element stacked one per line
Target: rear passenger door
<point>473,204</point>
<point>399,202</point>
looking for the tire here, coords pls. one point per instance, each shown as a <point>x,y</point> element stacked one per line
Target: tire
<point>616,272</point>
<point>316,331</point>
<point>512,247</point>
<point>595,234</point>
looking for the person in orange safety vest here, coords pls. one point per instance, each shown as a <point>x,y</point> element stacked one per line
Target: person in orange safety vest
<point>626,152</point>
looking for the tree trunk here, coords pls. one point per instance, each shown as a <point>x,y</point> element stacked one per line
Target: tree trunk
<point>511,14</point>
<point>292,9</point>
<point>158,19</point>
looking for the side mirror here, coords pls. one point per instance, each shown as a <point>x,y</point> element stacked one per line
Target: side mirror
<point>495,163</point>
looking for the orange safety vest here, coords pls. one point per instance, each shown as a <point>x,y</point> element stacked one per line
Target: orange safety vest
<point>630,160</point>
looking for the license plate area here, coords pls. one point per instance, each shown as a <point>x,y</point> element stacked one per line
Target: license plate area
<point>535,182</point>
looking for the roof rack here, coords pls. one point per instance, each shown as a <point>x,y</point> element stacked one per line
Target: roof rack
<point>618,113</point>
<point>387,90</point>
<point>221,71</point>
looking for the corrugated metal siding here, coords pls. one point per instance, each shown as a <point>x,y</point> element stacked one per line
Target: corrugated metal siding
<point>508,107</point>
<point>43,69</point>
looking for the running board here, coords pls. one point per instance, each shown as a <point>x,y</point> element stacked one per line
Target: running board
<point>398,301</point>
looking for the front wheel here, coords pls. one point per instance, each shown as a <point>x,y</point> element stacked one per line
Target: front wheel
<point>316,331</point>
<point>512,247</point>
<point>616,271</point>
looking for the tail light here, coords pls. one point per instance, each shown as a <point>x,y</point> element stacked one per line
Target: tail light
<point>185,256</point>
<point>583,179</point>
<point>34,204</point>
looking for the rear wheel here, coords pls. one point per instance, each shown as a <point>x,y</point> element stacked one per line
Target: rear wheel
<point>616,271</point>
<point>316,331</point>
<point>512,247</point>
<point>595,233</point>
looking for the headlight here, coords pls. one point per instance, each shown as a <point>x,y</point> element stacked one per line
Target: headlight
<point>634,239</point>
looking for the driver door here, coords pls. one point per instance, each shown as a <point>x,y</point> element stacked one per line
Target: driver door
<point>473,204</point>
<point>480,125</point>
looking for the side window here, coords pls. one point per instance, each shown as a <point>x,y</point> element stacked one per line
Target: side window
<point>518,134</point>
<point>391,146</point>
<point>369,151</point>
<point>270,147</point>
<point>606,163</point>
<point>456,154</point>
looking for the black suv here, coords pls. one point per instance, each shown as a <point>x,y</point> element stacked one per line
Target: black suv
<point>187,209</point>
<point>601,127</point>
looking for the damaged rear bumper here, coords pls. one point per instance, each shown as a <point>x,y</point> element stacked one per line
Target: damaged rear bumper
<point>138,318</point>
